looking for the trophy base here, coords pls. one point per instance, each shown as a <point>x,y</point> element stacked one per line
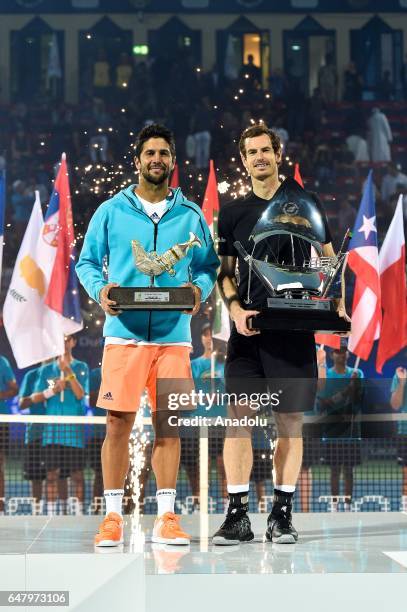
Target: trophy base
<point>300,315</point>
<point>152,298</point>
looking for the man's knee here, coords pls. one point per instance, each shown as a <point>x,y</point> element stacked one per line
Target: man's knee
<point>289,424</point>
<point>119,424</point>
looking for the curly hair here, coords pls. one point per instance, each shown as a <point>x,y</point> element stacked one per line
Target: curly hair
<point>257,130</point>
<point>155,130</point>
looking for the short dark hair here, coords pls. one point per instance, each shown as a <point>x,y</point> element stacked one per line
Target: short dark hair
<point>155,130</point>
<point>257,130</point>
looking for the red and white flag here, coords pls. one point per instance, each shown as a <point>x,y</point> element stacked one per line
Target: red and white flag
<point>63,293</point>
<point>363,260</point>
<point>392,262</point>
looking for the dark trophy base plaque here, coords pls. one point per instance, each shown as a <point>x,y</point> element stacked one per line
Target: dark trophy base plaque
<point>300,315</point>
<point>152,298</point>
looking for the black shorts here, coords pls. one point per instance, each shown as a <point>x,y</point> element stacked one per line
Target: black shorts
<point>34,461</point>
<point>4,437</point>
<point>287,359</point>
<point>337,453</point>
<point>67,459</point>
<point>93,453</point>
<point>402,450</point>
<point>262,464</point>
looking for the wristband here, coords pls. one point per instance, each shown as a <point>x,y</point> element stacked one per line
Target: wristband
<point>48,393</point>
<point>322,365</point>
<point>71,377</point>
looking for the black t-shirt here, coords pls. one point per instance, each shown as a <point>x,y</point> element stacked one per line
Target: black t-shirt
<point>236,221</point>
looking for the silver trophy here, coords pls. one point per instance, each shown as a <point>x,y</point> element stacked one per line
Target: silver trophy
<point>152,265</point>
<point>301,290</point>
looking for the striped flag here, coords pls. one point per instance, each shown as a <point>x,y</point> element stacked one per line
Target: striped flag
<point>363,259</point>
<point>58,232</point>
<point>392,258</point>
<point>2,211</point>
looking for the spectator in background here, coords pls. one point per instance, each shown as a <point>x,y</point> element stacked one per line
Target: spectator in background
<point>101,76</point>
<point>34,464</point>
<point>398,401</point>
<point>64,383</point>
<point>352,84</point>
<point>124,72</point>
<point>201,126</point>
<point>393,182</point>
<point>339,399</point>
<point>250,74</point>
<point>328,80</point>
<point>8,389</point>
<point>357,145</point>
<point>380,136</point>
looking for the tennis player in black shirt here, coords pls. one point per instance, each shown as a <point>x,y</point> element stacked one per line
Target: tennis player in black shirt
<point>254,357</point>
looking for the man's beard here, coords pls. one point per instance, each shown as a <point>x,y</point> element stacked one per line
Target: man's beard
<point>156,180</point>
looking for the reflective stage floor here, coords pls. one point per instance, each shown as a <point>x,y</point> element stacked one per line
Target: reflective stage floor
<point>357,560</point>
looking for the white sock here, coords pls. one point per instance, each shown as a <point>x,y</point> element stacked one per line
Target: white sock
<point>240,488</point>
<point>51,508</point>
<point>165,501</point>
<point>285,488</point>
<point>114,500</point>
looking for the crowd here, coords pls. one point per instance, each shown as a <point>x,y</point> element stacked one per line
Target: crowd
<point>334,142</point>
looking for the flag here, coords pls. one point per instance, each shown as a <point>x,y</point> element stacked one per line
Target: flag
<point>210,206</point>
<point>392,259</point>
<point>2,211</point>
<point>54,64</point>
<point>210,209</point>
<point>363,259</point>
<point>297,175</point>
<point>331,340</point>
<point>175,177</point>
<point>34,330</point>
<point>63,292</point>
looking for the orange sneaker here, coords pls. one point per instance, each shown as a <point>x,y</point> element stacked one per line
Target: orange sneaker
<point>168,531</point>
<point>110,531</point>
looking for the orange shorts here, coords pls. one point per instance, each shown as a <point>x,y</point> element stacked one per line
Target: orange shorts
<point>127,370</point>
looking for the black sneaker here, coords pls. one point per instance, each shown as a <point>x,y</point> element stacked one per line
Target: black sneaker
<point>235,529</point>
<point>280,529</point>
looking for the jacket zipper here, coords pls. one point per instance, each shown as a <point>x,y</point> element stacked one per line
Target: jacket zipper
<point>152,277</point>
